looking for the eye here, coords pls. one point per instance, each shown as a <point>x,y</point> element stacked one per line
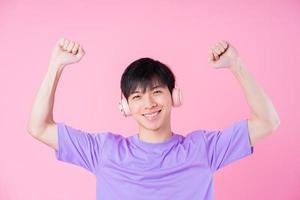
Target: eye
<point>135,97</point>
<point>157,91</point>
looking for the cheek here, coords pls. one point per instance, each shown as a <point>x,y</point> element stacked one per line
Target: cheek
<point>165,100</point>
<point>134,108</point>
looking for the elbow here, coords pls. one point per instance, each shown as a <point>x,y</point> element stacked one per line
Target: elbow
<point>31,131</point>
<point>35,131</point>
<point>34,127</point>
<point>274,124</point>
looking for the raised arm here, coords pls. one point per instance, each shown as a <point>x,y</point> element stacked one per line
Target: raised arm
<point>264,118</point>
<point>41,124</point>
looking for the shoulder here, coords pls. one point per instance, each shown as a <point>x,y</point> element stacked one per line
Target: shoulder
<point>194,136</point>
<point>69,131</point>
<point>112,137</point>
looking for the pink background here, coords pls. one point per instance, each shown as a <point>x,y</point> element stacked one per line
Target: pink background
<point>115,33</point>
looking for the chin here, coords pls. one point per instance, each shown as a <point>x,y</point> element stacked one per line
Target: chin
<point>150,126</point>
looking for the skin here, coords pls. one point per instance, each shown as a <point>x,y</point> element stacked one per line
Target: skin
<point>263,121</point>
<point>41,124</point>
<point>152,100</point>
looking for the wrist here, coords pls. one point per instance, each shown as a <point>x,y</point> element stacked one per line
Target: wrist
<point>55,65</point>
<point>237,65</point>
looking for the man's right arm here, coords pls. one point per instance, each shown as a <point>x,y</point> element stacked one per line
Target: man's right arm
<point>41,124</point>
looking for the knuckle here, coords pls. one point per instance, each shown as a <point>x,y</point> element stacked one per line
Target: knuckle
<point>70,46</point>
<point>74,50</point>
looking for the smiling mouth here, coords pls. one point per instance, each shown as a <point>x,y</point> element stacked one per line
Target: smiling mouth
<point>151,116</point>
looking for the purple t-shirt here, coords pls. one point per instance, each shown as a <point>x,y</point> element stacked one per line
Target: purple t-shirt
<point>180,168</point>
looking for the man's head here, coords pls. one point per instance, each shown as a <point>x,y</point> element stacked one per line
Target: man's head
<point>147,85</point>
<point>145,72</point>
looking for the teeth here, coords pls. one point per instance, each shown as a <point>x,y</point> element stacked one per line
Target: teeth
<point>151,116</point>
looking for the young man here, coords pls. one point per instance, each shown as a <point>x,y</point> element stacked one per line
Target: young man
<point>155,163</point>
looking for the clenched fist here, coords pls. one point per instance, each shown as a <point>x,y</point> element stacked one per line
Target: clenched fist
<point>66,52</point>
<point>223,55</point>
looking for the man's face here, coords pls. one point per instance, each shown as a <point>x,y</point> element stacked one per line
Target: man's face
<point>151,109</point>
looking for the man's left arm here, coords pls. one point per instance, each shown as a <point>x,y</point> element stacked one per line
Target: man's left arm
<point>264,119</point>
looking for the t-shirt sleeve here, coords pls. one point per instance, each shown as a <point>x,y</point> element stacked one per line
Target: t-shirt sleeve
<point>228,145</point>
<point>79,147</point>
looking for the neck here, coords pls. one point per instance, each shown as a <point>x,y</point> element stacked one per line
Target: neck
<point>155,136</point>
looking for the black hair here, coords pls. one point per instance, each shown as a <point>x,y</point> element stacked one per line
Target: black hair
<point>144,73</point>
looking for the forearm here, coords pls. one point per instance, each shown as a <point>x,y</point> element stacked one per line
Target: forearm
<point>260,104</point>
<point>42,108</point>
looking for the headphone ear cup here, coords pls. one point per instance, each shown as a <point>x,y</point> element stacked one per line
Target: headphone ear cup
<point>123,106</point>
<point>177,97</point>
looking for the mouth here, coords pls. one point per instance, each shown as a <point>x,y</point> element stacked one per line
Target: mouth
<point>152,115</point>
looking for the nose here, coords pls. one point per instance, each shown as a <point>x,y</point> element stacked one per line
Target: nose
<point>150,102</point>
